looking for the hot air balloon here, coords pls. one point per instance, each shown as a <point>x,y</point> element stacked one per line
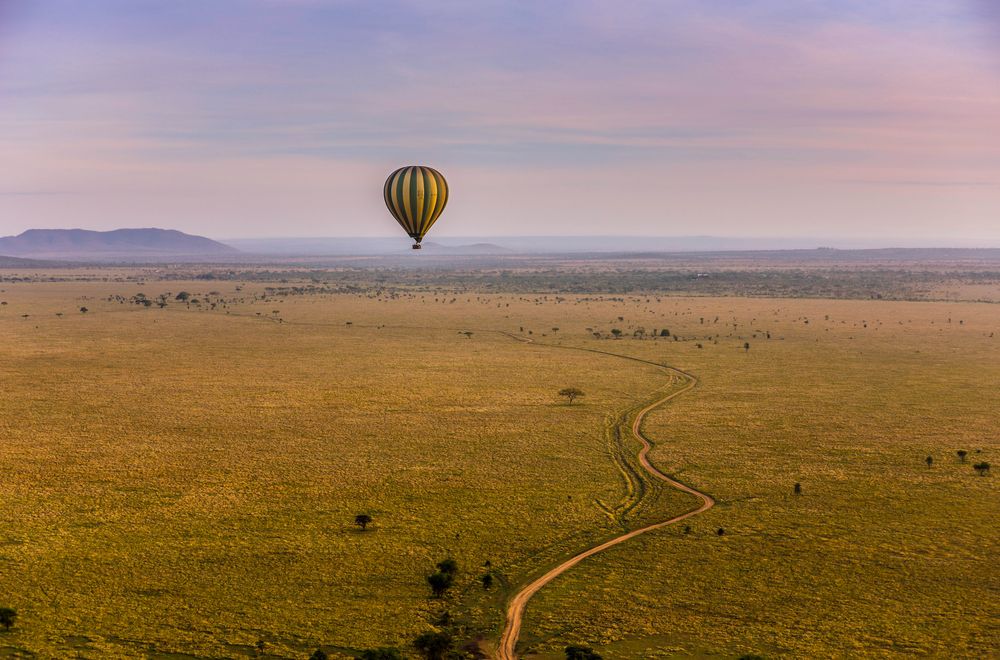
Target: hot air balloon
<point>415,196</point>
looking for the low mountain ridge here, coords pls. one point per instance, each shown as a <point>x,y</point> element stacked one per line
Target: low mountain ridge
<point>119,243</point>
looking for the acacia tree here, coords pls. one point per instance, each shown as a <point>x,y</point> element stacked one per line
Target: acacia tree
<point>440,582</point>
<point>433,645</point>
<point>581,653</point>
<point>962,454</point>
<point>362,520</point>
<point>982,468</point>
<point>571,393</point>
<point>7,617</point>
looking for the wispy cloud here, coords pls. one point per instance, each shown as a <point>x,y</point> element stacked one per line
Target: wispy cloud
<point>33,193</point>
<point>289,107</point>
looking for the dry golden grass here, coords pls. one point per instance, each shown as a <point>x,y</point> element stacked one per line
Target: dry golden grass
<point>183,480</point>
<point>880,555</point>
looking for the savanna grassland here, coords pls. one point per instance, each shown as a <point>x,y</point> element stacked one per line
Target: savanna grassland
<point>181,481</point>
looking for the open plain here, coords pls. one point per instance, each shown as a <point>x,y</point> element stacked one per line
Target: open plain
<point>181,473</point>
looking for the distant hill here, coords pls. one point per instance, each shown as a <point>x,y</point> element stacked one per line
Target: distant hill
<point>15,262</point>
<point>357,246</point>
<point>472,249</point>
<point>120,244</point>
<point>497,245</point>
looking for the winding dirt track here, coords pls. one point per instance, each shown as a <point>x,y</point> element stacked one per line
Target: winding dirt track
<point>518,604</point>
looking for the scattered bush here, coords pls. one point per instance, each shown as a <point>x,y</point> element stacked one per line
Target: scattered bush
<point>581,653</point>
<point>433,645</point>
<point>386,653</point>
<point>440,582</point>
<point>448,566</point>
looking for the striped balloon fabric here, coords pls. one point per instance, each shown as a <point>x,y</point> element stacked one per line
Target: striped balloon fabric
<point>416,196</point>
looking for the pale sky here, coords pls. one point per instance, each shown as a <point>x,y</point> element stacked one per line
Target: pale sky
<point>875,119</point>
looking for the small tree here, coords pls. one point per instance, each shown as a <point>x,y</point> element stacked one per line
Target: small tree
<point>571,393</point>
<point>319,654</point>
<point>962,454</point>
<point>581,653</point>
<point>487,580</point>
<point>362,520</point>
<point>746,346</point>
<point>616,332</point>
<point>721,532</point>
<point>84,310</point>
<point>448,566</point>
<point>440,582</point>
<point>929,460</point>
<point>433,645</point>
<point>798,489</point>
<point>182,296</point>
<point>384,653</point>
<point>982,468</point>
<point>7,617</point>
<point>664,333</point>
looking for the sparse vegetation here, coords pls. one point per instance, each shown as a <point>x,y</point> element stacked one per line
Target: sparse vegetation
<point>385,653</point>
<point>308,423</point>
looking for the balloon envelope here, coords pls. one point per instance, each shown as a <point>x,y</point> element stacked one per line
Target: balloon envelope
<point>416,196</point>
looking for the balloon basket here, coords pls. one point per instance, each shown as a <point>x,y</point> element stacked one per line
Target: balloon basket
<point>416,246</point>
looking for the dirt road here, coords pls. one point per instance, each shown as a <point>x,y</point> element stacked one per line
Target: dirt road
<point>518,604</point>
